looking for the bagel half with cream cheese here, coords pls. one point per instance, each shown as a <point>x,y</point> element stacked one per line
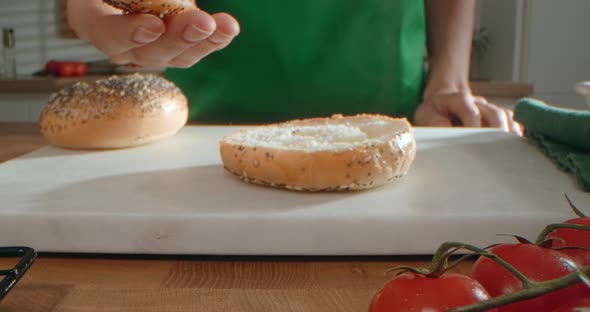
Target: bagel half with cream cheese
<point>339,153</point>
<point>116,112</point>
<point>161,8</point>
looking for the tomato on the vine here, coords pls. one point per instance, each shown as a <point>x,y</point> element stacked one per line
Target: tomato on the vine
<point>573,237</point>
<point>416,292</point>
<point>80,69</point>
<point>66,69</point>
<point>535,262</point>
<point>575,306</point>
<point>51,67</point>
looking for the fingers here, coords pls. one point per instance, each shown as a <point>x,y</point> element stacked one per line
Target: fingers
<point>442,109</point>
<point>117,34</point>
<point>491,115</point>
<point>80,15</point>
<point>497,117</point>
<point>227,29</point>
<point>146,40</point>
<point>514,127</point>
<point>111,32</point>
<point>459,104</point>
<point>466,110</point>
<point>428,116</point>
<point>183,31</point>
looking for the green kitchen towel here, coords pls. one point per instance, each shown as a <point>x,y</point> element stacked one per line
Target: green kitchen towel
<point>562,134</point>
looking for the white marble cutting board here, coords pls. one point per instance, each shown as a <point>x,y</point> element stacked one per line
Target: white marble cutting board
<point>173,197</point>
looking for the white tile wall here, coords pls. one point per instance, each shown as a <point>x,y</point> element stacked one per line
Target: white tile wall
<point>34,22</point>
<point>36,40</point>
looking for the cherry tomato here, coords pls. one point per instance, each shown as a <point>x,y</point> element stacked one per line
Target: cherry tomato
<point>51,67</point>
<point>80,69</point>
<point>536,263</point>
<point>579,305</point>
<point>66,69</point>
<point>415,292</point>
<point>572,237</point>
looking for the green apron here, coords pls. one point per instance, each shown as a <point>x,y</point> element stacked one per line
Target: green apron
<point>310,58</point>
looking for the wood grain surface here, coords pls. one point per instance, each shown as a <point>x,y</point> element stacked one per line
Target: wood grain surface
<point>124,283</point>
<point>17,139</point>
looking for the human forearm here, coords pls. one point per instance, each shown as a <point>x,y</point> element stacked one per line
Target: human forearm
<point>449,33</point>
<point>447,97</point>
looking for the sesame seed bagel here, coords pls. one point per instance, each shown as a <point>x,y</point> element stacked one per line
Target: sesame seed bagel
<point>340,153</point>
<point>156,7</point>
<point>116,112</point>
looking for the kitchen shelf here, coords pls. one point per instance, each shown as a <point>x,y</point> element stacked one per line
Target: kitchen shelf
<point>503,89</point>
<point>53,84</point>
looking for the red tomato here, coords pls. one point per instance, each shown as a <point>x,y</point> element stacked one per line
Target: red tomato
<point>535,262</point>
<point>414,292</point>
<point>572,237</point>
<point>66,69</point>
<point>80,69</point>
<point>575,306</point>
<point>51,67</point>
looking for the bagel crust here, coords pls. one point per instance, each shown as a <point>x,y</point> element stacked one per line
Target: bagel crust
<point>161,8</point>
<point>358,166</point>
<point>117,112</point>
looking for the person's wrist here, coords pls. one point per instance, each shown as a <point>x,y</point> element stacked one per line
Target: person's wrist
<point>440,86</point>
<point>446,78</point>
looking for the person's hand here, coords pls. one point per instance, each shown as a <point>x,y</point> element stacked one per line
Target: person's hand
<point>146,40</point>
<point>447,109</point>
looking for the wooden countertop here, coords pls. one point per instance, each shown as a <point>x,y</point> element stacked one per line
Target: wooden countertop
<point>82,283</point>
<point>51,84</point>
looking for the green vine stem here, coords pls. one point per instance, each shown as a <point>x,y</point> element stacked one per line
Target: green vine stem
<point>530,289</point>
<point>439,261</point>
<point>584,277</point>
<point>537,290</point>
<point>552,227</point>
<point>574,208</point>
